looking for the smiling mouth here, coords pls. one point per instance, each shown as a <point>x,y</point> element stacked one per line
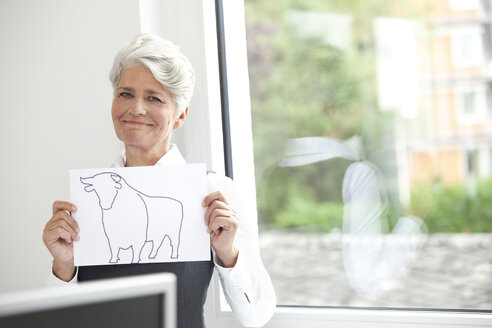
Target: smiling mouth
<point>136,123</point>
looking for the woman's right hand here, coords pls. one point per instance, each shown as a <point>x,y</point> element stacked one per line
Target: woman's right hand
<point>58,236</point>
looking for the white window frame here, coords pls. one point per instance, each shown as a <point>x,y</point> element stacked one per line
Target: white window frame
<point>191,24</point>
<point>474,46</point>
<point>484,157</point>
<point>480,114</point>
<point>459,5</point>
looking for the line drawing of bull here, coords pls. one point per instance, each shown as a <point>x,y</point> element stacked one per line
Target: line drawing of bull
<point>146,218</point>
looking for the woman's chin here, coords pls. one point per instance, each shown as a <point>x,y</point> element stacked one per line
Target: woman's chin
<point>136,143</point>
<point>133,137</point>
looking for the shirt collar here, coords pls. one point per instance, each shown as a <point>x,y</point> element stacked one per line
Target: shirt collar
<point>172,157</point>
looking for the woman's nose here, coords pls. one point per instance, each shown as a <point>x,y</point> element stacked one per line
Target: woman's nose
<point>137,108</point>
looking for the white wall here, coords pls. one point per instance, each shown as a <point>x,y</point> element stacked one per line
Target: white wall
<point>55,100</point>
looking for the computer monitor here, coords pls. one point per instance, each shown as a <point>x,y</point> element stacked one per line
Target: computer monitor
<point>139,301</point>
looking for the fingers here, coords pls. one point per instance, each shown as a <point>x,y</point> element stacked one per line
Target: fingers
<point>221,224</point>
<point>216,195</point>
<point>62,226</point>
<point>62,215</point>
<point>63,206</point>
<point>61,229</point>
<point>217,205</point>
<point>218,215</point>
<point>55,234</point>
<point>60,233</point>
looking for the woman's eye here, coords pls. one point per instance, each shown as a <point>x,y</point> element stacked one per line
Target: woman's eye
<point>125,94</point>
<point>152,98</point>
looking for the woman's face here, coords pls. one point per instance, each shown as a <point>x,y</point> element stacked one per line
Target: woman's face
<point>143,111</point>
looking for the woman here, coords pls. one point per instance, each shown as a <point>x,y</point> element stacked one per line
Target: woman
<point>153,84</point>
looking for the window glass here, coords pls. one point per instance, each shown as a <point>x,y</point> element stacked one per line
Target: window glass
<point>370,192</point>
<point>466,45</point>
<point>469,103</point>
<point>471,156</point>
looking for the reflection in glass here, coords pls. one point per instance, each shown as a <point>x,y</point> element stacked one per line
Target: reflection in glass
<point>374,257</point>
<point>372,141</point>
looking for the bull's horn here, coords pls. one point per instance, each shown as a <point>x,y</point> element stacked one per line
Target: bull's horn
<point>86,181</point>
<point>116,177</point>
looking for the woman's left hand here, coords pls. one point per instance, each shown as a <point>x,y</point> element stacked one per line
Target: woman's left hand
<point>222,223</point>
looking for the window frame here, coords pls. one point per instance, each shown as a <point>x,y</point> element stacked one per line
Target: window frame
<point>479,114</point>
<point>294,317</point>
<point>471,39</point>
<point>461,5</point>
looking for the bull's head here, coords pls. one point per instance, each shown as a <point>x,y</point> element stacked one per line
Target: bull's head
<point>105,185</point>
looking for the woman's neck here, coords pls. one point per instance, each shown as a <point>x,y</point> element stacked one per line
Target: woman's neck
<point>140,157</point>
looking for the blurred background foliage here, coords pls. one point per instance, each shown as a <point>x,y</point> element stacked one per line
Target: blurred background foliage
<point>454,208</point>
<point>303,87</point>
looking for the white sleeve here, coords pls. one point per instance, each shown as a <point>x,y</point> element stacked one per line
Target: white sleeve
<point>247,286</point>
<point>54,281</point>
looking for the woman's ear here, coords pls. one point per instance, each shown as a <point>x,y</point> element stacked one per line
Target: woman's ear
<point>180,120</point>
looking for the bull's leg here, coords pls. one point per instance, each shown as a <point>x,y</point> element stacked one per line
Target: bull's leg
<point>137,251</point>
<point>156,246</point>
<point>174,242</point>
<point>114,253</point>
<point>153,250</point>
<point>174,253</point>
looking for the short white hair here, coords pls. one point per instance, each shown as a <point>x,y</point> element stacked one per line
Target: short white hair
<point>166,63</point>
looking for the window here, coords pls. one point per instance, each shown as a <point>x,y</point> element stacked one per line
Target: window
<point>472,162</point>
<point>469,107</point>
<point>463,4</point>
<point>466,45</point>
<point>349,236</point>
<point>343,220</point>
<point>471,104</point>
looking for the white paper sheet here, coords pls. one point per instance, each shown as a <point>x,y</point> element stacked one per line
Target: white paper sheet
<point>140,214</point>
